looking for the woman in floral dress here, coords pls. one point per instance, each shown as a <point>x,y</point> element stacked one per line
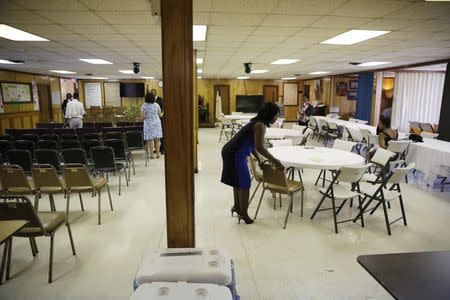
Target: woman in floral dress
<point>151,113</point>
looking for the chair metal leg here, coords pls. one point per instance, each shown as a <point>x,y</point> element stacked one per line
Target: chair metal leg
<point>50,265</point>
<point>120,183</point>
<point>301,204</point>
<point>386,217</point>
<point>126,177</point>
<point>259,204</point>
<point>52,202</point>
<point>318,177</point>
<point>318,207</point>
<point>67,206</point>
<point>254,192</point>
<point>333,204</point>
<point>36,201</point>
<point>5,253</point>
<point>403,210</point>
<point>287,212</point>
<point>81,201</point>
<point>134,169</point>
<point>279,197</point>
<point>72,245</point>
<point>99,206</point>
<point>8,262</point>
<point>33,251</point>
<point>109,196</point>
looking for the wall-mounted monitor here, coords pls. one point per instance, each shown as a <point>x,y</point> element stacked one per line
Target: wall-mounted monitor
<point>132,89</point>
<point>249,103</point>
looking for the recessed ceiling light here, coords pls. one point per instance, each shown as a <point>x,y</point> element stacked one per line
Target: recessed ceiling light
<point>373,63</point>
<point>63,72</point>
<point>319,73</point>
<point>147,77</point>
<point>354,36</point>
<point>259,71</point>
<point>15,34</point>
<point>8,62</point>
<point>199,71</point>
<point>288,78</point>
<point>284,61</point>
<point>99,78</point>
<point>199,60</point>
<point>126,71</point>
<point>96,61</point>
<point>199,33</point>
<point>242,77</point>
<point>199,77</point>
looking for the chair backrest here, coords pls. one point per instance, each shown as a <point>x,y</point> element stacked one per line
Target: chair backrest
<point>88,125</point>
<point>77,175</point>
<point>278,143</point>
<point>343,145</point>
<point>365,133</point>
<point>61,131</point>
<point>351,174</point>
<point>102,124</point>
<point>88,144</point>
<point>82,131</point>
<point>426,127</point>
<point>74,156</point>
<point>48,157</point>
<point>307,135</point>
<point>13,176</point>
<point>398,146</point>
<point>352,120</point>
<point>20,209</point>
<point>299,128</point>
<point>398,174</point>
<point>91,136</point>
<point>52,137</point>
<point>354,134</point>
<point>20,157</point>
<point>70,144</point>
<point>428,135</point>
<point>25,145</point>
<point>69,137</point>
<point>226,122</point>
<point>45,176</point>
<point>30,137</point>
<point>118,147</point>
<point>361,121</point>
<point>312,123</point>
<point>274,176</point>
<point>125,123</point>
<point>382,156</point>
<point>6,137</point>
<point>113,135</point>
<point>4,147</point>
<point>40,131</point>
<point>252,163</point>
<point>134,139</point>
<point>112,129</point>
<point>373,140</point>
<point>103,157</point>
<point>332,126</point>
<point>16,132</point>
<point>48,144</point>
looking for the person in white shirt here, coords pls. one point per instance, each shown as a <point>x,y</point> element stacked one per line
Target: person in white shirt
<point>75,112</point>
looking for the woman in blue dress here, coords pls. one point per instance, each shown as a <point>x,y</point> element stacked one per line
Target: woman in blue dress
<point>151,113</point>
<point>249,139</point>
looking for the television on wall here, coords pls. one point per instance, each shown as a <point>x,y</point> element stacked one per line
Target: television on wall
<point>249,103</point>
<point>132,89</point>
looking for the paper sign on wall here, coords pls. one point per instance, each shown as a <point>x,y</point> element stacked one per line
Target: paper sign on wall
<point>112,93</point>
<point>93,94</point>
<point>35,95</point>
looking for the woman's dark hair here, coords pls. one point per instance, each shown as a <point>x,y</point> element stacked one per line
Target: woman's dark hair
<point>149,98</point>
<point>385,121</point>
<point>68,96</point>
<point>267,113</point>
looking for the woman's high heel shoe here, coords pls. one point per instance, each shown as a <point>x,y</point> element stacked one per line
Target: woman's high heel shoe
<point>234,210</point>
<point>246,219</point>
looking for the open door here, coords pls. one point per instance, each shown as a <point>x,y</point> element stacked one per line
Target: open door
<point>45,103</point>
<point>270,93</point>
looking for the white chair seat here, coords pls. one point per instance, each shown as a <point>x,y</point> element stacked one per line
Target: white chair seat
<point>341,192</point>
<point>367,177</point>
<point>370,190</point>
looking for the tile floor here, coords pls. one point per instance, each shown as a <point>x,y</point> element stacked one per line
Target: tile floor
<point>305,261</point>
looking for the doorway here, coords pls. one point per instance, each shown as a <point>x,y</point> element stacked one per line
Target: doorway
<point>45,104</point>
<point>270,93</point>
<point>225,95</point>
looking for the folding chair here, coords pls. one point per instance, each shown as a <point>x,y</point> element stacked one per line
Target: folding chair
<point>105,162</point>
<point>354,135</point>
<point>227,129</point>
<point>14,181</point>
<point>257,175</point>
<point>46,181</point>
<point>21,158</point>
<point>49,157</point>
<point>135,141</point>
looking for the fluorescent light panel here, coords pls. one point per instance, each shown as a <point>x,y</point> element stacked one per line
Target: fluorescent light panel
<point>284,61</point>
<point>199,60</point>
<point>126,71</point>
<point>242,77</point>
<point>7,62</point>
<point>96,61</point>
<point>288,78</point>
<point>373,63</point>
<point>354,36</point>
<point>148,77</point>
<point>15,34</point>
<point>319,73</point>
<point>199,33</point>
<point>199,77</point>
<point>99,78</point>
<point>259,71</point>
<point>63,72</point>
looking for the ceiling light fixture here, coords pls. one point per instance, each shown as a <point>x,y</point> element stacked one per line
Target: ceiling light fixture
<point>288,78</point>
<point>15,34</point>
<point>242,77</point>
<point>199,71</point>
<point>199,60</point>
<point>126,71</point>
<point>373,63</point>
<point>96,61</point>
<point>99,78</point>
<point>8,62</point>
<point>319,73</point>
<point>284,61</point>
<point>63,72</point>
<point>199,33</point>
<point>259,71</point>
<point>354,36</point>
<point>199,77</point>
<point>147,77</point>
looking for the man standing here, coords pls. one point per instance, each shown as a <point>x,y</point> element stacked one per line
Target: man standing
<point>75,112</point>
<point>280,104</point>
<point>160,102</point>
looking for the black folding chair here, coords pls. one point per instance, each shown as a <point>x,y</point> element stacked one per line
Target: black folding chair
<point>4,147</point>
<point>91,136</point>
<point>25,145</point>
<point>88,144</point>
<point>75,156</point>
<point>69,137</point>
<point>49,156</point>
<point>16,133</point>
<point>7,137</point>
<point>69,144</point>
<point>105,162</point>
<point>21,158</point>
<point>30,137</point>
<point>122,153</point>
<point>121,124</point>
<point>40,131</point>
<point>48,144</point>
<point>61,131</point>
<point>113,135</point>
<point>135,141</point>
<point>52,137</point>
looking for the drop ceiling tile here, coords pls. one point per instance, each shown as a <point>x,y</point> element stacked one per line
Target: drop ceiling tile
<point>14,17</point>
<point>128,17</point>
<point>118,5</point>
<point>306,7</point>
<point>340,22</point>
<point>288,20</point>
<point>201,5</point>
<point>237,6</point>
<point>93,29</point>
<point>422,11</point>
<point>389,24</point>
<point>9,5</point>
<point>201,18</point>
<point>144,38</point>
<point>72,17</point>
<point>261,38</point>
<point>319,32</point>
<point>138,29</point>
<point>369,8</point>
<point>268,32</point>
<point>225,39</point>
<point>51,5</point>
<point>243,19</point>
<point>230,30</point>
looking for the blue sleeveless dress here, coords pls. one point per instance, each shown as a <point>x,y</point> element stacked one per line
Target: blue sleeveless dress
<point>234,155</point>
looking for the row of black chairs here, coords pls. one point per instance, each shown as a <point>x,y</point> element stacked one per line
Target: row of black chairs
<point>90,124</point>
<point>67,136</point>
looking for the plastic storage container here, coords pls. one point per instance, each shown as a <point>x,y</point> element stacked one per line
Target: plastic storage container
<point>193,265</point>
<point>181,290</point>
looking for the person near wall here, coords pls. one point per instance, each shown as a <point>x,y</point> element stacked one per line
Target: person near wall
<point>160,102</point>
<point>151,113</point>
<point>65,101</point>
<point>75,112</point>
<point>280,104</point>
<point>249,139</point>
<point>305,111</point>
<point>385,134</point>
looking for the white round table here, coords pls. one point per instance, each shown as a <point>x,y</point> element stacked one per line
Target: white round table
<point>281,133</point>
<point>315,157</point>
<point>240,117</point>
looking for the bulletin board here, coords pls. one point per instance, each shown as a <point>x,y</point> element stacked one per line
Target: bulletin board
<point>16,92</point>
<point>290,93</point>
<point>93,94</point>
<point>112,93</point>
<point>67,86</point>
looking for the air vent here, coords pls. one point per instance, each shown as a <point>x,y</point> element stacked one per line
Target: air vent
<point>354,63</point>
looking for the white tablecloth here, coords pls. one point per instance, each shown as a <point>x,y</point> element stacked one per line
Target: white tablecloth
<point>432,157</point>
<point>281,133</point>
<point>344,123</point>
<point>315,157</point>
<point>240,117</point>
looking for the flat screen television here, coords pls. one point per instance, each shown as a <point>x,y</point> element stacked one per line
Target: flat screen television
<point>249,103</point>
<point>132,89</point>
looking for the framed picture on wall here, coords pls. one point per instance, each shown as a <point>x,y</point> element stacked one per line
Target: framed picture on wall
<point>352,95</point>
<point>353,85</point>
<point>341,89</point>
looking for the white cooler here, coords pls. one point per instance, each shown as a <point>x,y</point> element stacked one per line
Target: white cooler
<point>193,265</point>
<point>181,290</point>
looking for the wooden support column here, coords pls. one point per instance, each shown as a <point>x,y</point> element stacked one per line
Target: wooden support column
<point>177,53</point>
